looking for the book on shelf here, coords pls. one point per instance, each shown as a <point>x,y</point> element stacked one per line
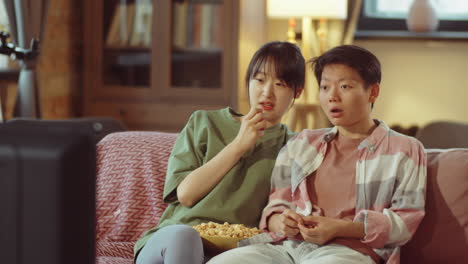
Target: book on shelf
<point>179,35</point>
<point>189,28</point>
<point>206,14</point>
<point>142,27</point>
<point>216,40</point>
<point>197,25</point>
<point>121,25</point>
<point>112,34</point>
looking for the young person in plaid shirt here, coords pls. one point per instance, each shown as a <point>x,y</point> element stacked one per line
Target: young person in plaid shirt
<point>353,193</point>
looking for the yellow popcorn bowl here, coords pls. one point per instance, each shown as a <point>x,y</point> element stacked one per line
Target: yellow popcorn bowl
<point>221,237</point>
<point>215,245</point>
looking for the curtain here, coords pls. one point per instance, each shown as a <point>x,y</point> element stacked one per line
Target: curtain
<point>27,22</point>
<point>306,112</point>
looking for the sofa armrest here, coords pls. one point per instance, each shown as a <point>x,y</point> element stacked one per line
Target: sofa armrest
<point>131,169</point>
<point>442,236</point>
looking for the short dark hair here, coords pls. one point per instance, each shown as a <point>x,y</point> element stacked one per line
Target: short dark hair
<point>358,58</point>
<point>287,60</point>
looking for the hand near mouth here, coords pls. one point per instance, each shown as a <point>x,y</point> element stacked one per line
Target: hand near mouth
<point>253,126</point>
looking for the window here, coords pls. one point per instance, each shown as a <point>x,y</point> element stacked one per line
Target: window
<point>446,9</point>
<point>4,60</point>
<point>387,18</point>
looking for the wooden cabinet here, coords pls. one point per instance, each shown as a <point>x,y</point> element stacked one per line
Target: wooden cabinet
<point>151,63</point>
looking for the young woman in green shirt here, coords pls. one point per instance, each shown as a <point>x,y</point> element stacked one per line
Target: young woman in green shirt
<point>221,163</point>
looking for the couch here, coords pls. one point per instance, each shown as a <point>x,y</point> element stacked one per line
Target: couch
<point>131,168</point>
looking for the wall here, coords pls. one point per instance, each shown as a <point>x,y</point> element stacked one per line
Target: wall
<point>422,80</point>
<point>59,67</point>
<point>250,39</point>
<point>60,63</point>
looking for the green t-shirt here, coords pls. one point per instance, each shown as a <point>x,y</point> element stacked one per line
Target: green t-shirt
<point>242,193</point>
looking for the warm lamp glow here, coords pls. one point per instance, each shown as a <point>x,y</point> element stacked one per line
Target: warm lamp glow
<point>332,9</point>
<point>308,10</point>
<point>312,43</point>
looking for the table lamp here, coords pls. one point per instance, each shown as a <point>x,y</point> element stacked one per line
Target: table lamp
<point>308,10</point>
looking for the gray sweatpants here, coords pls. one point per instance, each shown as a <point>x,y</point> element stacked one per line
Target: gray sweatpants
<point>175,244</point>
<point>292,252</point>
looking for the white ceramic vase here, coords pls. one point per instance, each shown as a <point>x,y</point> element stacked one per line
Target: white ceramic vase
<point>422,17</point>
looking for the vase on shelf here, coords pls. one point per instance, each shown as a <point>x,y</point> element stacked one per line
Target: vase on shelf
<point>422,17</point>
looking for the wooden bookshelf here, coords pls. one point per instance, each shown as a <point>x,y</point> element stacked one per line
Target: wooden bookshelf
<point>152,63</point>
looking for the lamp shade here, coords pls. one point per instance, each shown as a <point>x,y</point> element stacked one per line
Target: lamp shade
<point>334,9</point>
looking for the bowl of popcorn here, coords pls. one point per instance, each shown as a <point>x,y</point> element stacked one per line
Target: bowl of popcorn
<point>221,237</point>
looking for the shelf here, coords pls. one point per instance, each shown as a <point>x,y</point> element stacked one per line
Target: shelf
<point>132,60</point>
<point>9,74</point>
<point>196,50</point>
<point>126,48</point>
<point>394,34</point>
